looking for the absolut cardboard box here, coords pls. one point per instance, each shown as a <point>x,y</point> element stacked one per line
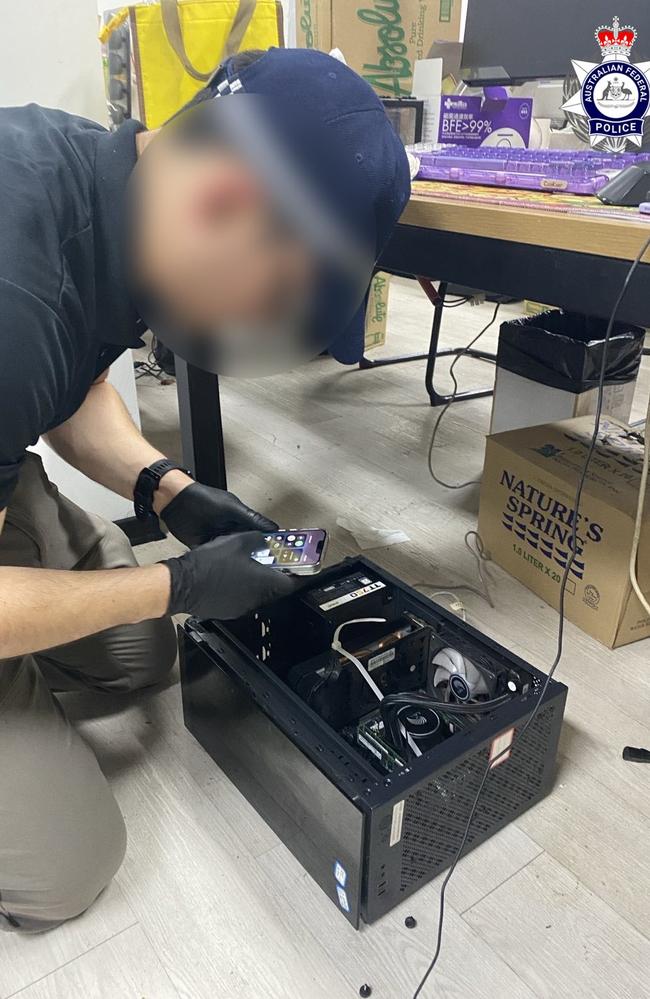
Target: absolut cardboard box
<point>377,311</point>
<point>314,24</point>
<point>527,515</point>
<point>380,39</point>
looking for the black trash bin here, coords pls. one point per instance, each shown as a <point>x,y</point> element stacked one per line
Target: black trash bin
<point>548,368</point>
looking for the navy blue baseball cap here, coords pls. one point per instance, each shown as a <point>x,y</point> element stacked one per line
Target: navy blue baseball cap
<point>320,135</point>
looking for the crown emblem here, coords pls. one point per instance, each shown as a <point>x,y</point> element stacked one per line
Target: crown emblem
<point>615,42</point>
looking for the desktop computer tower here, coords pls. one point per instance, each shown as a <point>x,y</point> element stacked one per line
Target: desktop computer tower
<point>372,799</point>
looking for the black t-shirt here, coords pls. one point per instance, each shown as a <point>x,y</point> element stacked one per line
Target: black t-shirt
<point>65,311</point>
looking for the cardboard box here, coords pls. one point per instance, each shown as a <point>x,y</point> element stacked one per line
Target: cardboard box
<point>314,24</point>
<point>377,312</point>
<point>381,39</point>
<point>535,308</point>
<point>526,518</point>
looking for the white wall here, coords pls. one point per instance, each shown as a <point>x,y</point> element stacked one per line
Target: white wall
<point>289,12</point>
<point>49,53</point>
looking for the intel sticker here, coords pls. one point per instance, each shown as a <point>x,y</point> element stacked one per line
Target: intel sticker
<point>343,898</point>
<point>340,874</point>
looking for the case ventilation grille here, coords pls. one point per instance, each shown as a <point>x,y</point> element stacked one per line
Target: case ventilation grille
<point>435,816</point>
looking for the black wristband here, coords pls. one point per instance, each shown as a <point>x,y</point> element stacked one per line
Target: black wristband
<point>147,484</point>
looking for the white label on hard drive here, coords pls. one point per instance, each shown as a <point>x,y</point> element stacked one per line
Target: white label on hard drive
<point>346,598</point>
<point>383,657</point>
<point>396,824</point>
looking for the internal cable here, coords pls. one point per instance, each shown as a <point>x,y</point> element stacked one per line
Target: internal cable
<point>561,611</point>
<point>392,702</point>
<point>337,647</point>
<point>460,708</point>
<point>436,426</point>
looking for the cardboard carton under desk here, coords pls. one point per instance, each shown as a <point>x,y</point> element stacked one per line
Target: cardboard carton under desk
<point>380,39</point>
<point>526,518</point>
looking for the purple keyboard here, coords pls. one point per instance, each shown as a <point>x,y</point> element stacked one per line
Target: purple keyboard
<point>576,172</point>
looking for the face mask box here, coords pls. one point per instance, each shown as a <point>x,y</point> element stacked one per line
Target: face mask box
<point>526,518</point>
<point>474,122</point>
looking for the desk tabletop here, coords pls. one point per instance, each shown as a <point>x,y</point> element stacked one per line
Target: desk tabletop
<point>566,223</point>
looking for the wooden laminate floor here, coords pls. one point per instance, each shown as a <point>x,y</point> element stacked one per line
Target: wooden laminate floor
<point>209,904</point>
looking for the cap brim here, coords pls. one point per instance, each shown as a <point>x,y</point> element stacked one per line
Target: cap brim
<point>348,348</point>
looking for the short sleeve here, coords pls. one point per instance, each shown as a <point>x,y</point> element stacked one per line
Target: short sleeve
<point>31,375</point>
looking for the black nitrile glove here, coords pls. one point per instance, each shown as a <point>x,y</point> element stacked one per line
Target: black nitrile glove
<point>199,514</point>
<point>221,580</point>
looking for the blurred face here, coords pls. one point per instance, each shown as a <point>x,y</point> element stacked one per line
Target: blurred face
<point>209,244</point>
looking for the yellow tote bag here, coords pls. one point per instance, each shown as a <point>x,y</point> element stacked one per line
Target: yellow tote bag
<point>178,44</point>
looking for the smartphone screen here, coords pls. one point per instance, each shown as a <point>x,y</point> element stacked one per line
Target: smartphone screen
<point>292,549</point>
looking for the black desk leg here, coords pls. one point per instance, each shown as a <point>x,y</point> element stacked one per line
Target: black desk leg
<point>437,298</point>
<point>199,408</point>
<point>434,354</point>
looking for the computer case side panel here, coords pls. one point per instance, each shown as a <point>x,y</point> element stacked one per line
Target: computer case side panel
<point>322,827</point>
<point>415,837</point>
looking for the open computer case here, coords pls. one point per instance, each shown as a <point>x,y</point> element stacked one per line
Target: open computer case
<point>371,798</point>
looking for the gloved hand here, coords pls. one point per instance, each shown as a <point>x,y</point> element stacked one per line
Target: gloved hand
<point>200,513</point>
<point>221,580</point>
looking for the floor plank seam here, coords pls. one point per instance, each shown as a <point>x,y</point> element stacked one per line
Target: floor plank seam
<point>169,743</point>
<point>159,958</point>
<point>501,883</point>
<point>269,849</point>
<point>605,899</point>
<point>501,957</point>
<point>77,957</point>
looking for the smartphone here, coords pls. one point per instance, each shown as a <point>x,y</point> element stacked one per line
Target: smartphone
<point>301,552</point>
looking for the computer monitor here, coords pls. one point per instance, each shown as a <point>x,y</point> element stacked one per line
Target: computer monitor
<point>537,39</point>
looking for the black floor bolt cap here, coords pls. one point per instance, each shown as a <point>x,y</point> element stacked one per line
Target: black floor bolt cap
<point>365,991</point>
<point>410,922</point>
